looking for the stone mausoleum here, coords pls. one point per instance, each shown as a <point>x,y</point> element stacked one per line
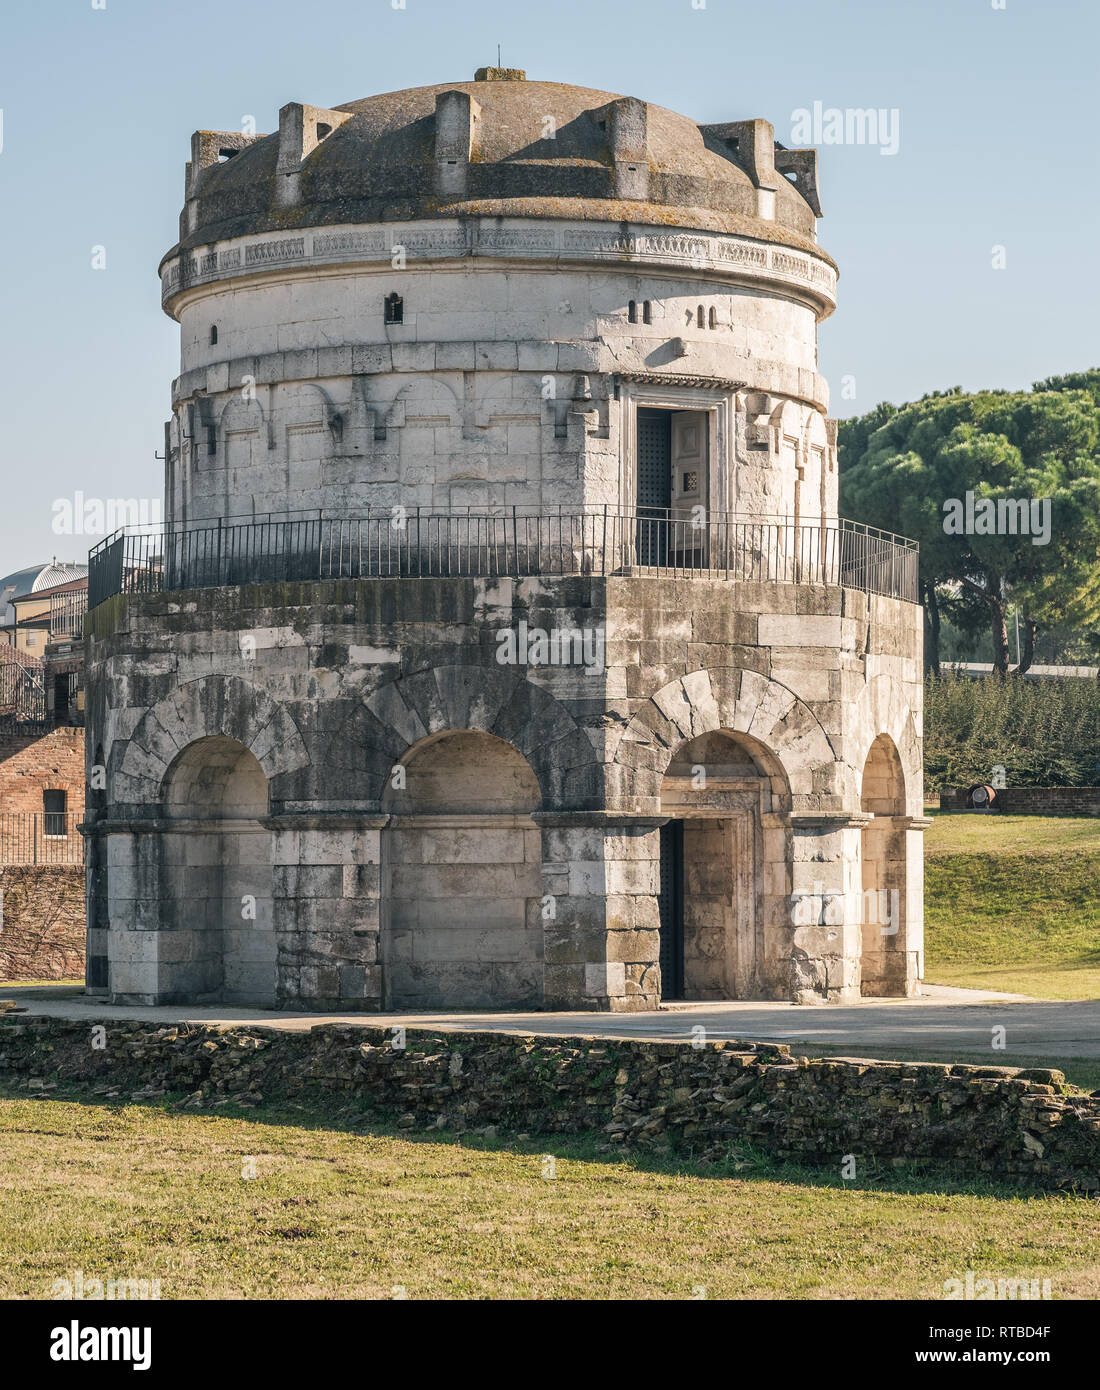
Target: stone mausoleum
<point>502,647</point>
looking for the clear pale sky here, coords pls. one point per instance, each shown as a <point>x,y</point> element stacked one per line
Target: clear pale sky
<point>997,111</point>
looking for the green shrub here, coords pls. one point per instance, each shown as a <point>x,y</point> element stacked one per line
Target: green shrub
<point>1045,733</point>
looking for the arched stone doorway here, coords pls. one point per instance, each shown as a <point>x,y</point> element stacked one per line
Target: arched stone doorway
<point>217,944</point>
<point>883,909</point>
<point>462,876</point>
<point>725,880</point>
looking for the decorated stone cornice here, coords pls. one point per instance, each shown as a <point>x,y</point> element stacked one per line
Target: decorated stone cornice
<point>716,383</point>
<point>739,259</point>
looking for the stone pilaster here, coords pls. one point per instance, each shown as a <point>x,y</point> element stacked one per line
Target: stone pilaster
<point>825,909</point>
<point>133,942</point>
<point>326,882</point>
<point>601,877</point>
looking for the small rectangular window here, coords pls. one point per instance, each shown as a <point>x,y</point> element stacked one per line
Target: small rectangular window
<point>53,806</point>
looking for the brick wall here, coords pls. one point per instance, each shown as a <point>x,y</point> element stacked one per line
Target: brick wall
<point>1033,801</point>
<point>48,762</point>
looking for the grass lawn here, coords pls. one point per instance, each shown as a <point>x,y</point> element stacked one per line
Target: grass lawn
<point>1013,903</point>
<point>144,1192</point>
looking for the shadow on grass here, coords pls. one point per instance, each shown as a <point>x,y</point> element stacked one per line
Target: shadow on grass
<point>312,1112</point>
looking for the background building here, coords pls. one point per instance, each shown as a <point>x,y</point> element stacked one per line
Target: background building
<point>42,612</point>
<point>503,646</point>
<point>27,582</point>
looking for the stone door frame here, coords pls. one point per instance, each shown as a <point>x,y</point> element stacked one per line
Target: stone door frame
<point>718,405</point>
<point>740,801</point>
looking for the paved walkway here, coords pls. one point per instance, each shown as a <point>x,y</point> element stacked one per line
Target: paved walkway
<point>942,1022</point>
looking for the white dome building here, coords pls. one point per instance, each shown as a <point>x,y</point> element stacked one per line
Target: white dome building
<point>503,646</point>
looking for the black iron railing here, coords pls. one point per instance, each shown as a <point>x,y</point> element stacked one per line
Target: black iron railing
<point>516,541</point>
<point>22,693</point>
<point>40,837</point>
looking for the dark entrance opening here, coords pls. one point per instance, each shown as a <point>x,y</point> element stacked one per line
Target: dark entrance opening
<point>61,698</point>
<point>654,485</point>
<point>672,910</point>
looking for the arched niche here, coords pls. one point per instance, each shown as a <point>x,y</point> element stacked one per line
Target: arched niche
<point>215,778</point>
<point>217,941</point>
<point>464,770</point>
<point>462,874</point>
<point>883,925</point>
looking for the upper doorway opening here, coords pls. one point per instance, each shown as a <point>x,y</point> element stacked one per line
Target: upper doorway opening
<point>671,485</point>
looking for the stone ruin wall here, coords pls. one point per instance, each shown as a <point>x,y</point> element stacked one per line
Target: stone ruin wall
<point>1000,1124</point>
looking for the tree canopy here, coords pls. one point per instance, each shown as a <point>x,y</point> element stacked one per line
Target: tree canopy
<point>1002,491</point>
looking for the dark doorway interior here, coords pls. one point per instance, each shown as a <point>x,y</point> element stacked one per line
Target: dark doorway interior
<point>672,910</point>
<point>61,699</point>
<point>654,485</point>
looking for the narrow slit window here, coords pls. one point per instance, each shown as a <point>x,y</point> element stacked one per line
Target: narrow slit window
<point>213,334</point>
<point>647,316</point>
<point>700,317</point>
<point>632,311</point>
<point>713,317</point>
<point>395,308</point>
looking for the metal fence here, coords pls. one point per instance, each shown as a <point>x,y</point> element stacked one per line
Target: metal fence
<point>40,837</point>
<point>516,541</point>
<point>67,612</point>
<point>22,693</point>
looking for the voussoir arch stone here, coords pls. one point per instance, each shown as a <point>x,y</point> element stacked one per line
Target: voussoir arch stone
<point>735,700</point>
<point>885,707</point>
<point>202,708</point>
<point>454,698</point>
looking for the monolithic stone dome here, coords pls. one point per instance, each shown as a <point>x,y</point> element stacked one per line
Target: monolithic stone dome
<point>501,145</point>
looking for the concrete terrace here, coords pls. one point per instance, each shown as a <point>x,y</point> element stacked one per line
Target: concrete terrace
<point>941,1020</point>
